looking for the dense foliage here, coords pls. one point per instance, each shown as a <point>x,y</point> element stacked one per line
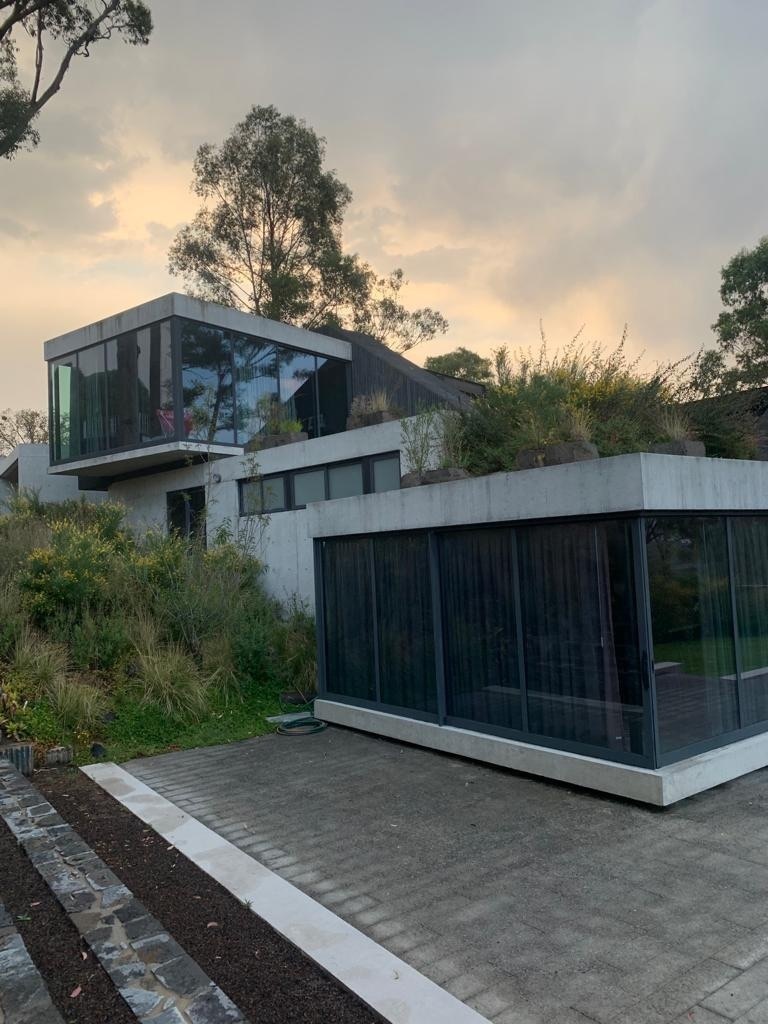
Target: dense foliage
<point>267,238</point>
<point>462,363</point>
<point>69,28</point>
<point>587,393</point>
<point>22,426</point>
<point>141,644</point>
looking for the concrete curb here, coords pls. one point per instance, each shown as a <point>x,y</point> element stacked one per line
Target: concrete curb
<point>392,988</point>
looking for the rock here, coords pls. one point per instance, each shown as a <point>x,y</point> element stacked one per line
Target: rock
<point>530,458</point>
<point>434,476</point>
<point>694,449</point>
<point>569,451</point>
<point>97,750</point>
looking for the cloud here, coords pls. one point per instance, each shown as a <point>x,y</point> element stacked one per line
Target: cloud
<point>594,162</point>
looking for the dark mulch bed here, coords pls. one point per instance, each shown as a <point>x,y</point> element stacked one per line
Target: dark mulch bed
<point>267,977</point>
<point>55,944</point>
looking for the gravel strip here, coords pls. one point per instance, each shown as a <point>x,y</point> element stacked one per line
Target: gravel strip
<point>157,979</point>
<point>270,980</point>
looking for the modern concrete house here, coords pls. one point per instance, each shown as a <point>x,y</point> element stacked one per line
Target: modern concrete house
<point>166,407</point>
<point>602,623</point>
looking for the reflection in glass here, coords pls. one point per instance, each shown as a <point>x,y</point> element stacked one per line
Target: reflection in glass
<point>122,355</point>
<point>581,640</point>
<point>155,383</point>
<point>65,441</point>
<point>406,634</point>
<point>93,399</point>
<point>348,588</point>
<point>750,568</point>
<point>297,389</point>
<point>333,396</point>
<point>256,385</point>
<point>693,647</point>
<point>481,650</point>
<point>207,384</point>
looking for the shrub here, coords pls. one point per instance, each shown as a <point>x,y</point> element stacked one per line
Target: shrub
<point>77,706</point>
<point>580,393</point>
<point>71,575</point>
<point>218,664</point>
<point>36,663</point>
<point>11,619</point>
<point>99,641</point>
<point>297,650</point>
<point>169,679</point>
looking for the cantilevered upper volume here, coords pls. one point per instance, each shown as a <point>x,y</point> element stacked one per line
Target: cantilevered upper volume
<point>178,379</point>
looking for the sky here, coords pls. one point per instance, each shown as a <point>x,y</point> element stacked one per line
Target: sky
<point>569,162</point>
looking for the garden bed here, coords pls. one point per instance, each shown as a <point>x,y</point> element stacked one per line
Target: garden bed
<point>268,978</point>
<point>79,987</point>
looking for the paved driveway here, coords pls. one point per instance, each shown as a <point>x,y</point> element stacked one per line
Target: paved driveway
<point>534,903</point>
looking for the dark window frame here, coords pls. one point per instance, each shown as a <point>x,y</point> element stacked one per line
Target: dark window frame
<point>366,461</point>
<point>176,321</point>
<point>654,758</point>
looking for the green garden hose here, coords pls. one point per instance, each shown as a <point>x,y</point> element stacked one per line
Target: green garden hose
<point>301,727</point>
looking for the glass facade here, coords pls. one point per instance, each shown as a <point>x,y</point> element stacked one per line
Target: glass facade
<point>181,380</point>
<point>638,640</point>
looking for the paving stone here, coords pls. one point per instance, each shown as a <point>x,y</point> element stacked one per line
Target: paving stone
<point>741,993</point>
<point>213,1007</point>
<point>182,976</point>
<point>141,1000</point>
<point>666,907</point>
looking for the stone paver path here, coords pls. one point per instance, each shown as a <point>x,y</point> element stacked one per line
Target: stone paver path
<point>534,903</point>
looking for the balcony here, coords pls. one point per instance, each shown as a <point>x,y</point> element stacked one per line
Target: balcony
<point>180,380</point>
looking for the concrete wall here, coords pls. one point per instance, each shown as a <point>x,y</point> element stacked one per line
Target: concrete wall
<point>626,483</point>
<point>32,474</point>
<point>176,304</point>
<point>284,545</point>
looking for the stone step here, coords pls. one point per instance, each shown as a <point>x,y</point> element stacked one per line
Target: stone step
<point>159,981</point>
<point>24,998</point>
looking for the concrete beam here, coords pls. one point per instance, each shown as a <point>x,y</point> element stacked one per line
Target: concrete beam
<point>660,787</point>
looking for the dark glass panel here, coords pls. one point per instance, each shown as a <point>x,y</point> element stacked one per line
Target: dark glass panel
<point>345,481</point>
<point>334,398</point>
<point>273,491</point>
<point>64,406</point>
<point>256,386</point>
<point>186,512</point>
<point>251,501</point>
<point>93,399</point>
<point>122,390</point>
<point>308,486</point>
<point>479,632</point>
<point>750,566</point>
<point>206,354</point>
<point>297,389</point>
<point>581,641</point>
<point>406,635</point>
<point>348,589</point>
<point>386,474</point>
<point>696,693</point>
<point>154,371</point>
